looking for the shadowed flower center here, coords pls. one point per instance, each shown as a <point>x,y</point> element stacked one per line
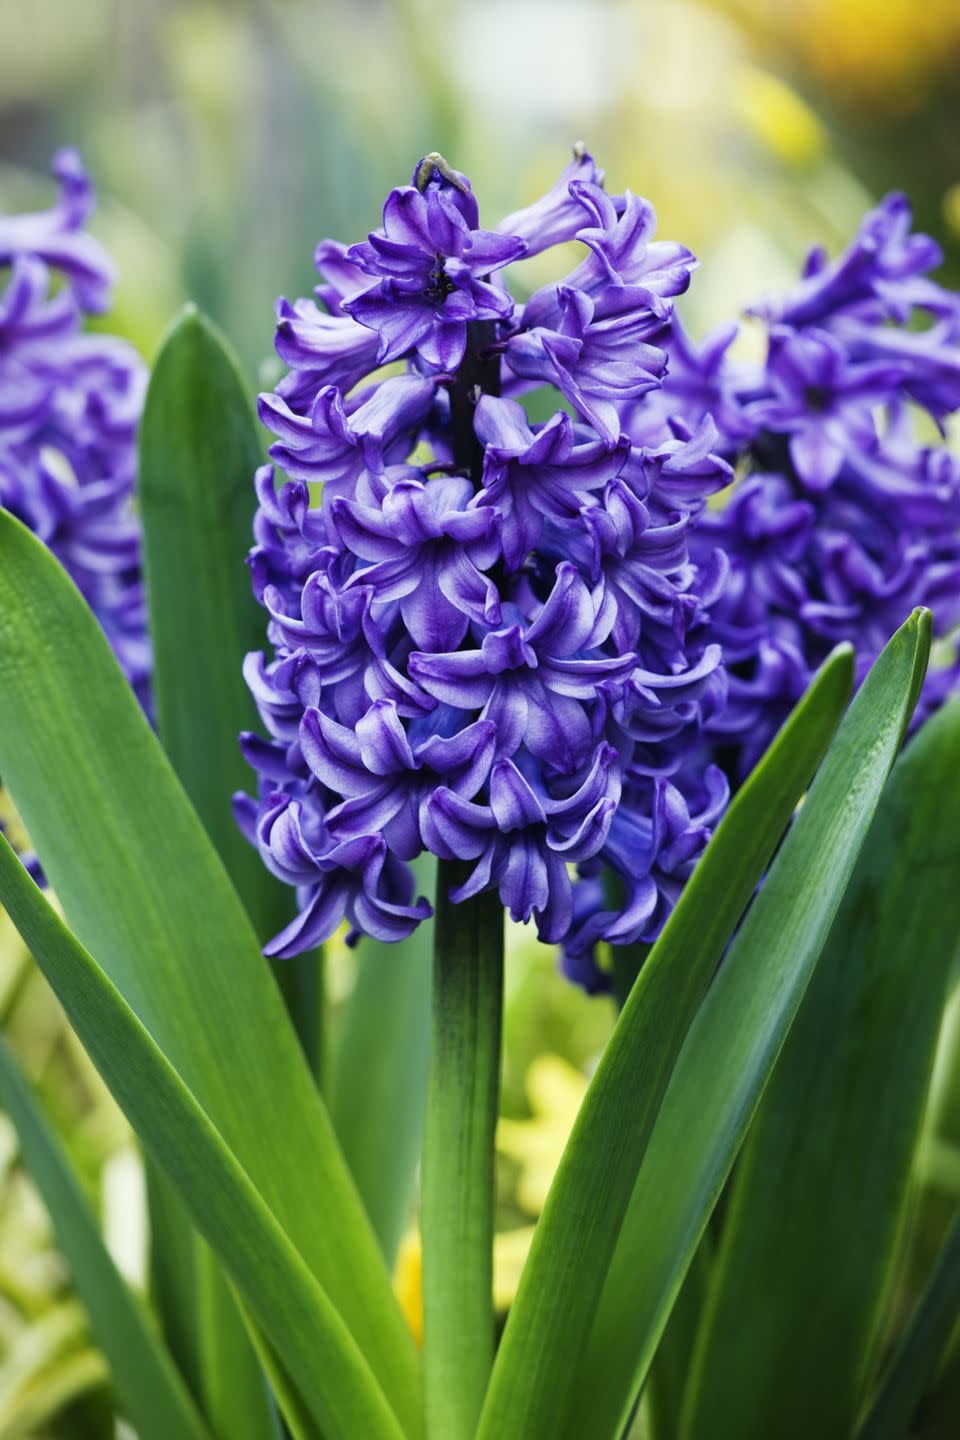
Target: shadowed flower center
<point>440,283</point>
<point>817,398</point>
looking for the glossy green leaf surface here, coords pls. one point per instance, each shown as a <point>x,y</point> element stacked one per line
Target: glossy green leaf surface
<point>284,1299</point>
<point>172,1276</point>
<point>296,1422</point>
<point>666,1384</point>
<point>549,1323</point>
<point>736,1038</point>
<point>150,1388</point>
<point>198,451</point>
<point>143,888</point>
<point>817,1204</point>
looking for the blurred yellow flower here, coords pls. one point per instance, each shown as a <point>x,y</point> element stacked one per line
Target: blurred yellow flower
<point>783,122</point>
<point>555,1091</point>
<point>510,1251</point>
<point>951,208</point>
<point>408,1282</point>
<point>888,51</point>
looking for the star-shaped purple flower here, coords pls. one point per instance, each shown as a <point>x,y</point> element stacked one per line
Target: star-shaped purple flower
<point>431,265</point>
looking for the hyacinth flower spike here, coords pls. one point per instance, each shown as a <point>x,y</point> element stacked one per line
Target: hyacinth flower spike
<point>70,405</point>
<point>490,640</point>
<point>845,517</point>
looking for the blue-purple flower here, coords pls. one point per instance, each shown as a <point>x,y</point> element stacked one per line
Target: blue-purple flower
<point>844,518</point>
<point>70,404</point>
<point>430,267</point>
<point>490,640</point>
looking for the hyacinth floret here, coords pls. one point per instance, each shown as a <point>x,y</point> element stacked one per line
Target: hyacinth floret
<point>489,639</point>
<point>70,404</point>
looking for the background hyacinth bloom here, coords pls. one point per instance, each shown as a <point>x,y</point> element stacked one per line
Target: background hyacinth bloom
<point>845,516</point>
<point>488,630</point>
<point>70,404</point>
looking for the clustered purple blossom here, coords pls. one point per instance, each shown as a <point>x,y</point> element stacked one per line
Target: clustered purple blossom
<point>490,640</point>
<point>846,512</point>
<point>70,404</point>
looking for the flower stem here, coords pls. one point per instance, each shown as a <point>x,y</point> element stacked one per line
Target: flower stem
<point>479,374</point>
<point>457,1207</point>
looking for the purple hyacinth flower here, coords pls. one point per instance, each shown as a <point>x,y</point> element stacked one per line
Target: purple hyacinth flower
<point>820,399</point>
<point>599,354</point>
<point>431,266</point>
<point>385,778</point>
<point>557,215</point>
<point>531,680</point>
<point>701,384</point>
<point>430,545</point>
<point>58,238</point>
<point>287,534</point>
<point>530,477</point>
<point>620,237</point>
<point>354,879</point>
<point>449,583</point>
<point>635,560</point>
<point>885,262</point>
<point>843,521</point>
<point>523,841</point>
<point>70,405</point>
<point>342,441</point>
<point>321,350</point>
<point>655,838</point>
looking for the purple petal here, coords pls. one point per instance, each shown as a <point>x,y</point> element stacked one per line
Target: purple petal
<point>333,753</point>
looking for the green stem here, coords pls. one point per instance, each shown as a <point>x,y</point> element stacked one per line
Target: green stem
<point>457,1206</point>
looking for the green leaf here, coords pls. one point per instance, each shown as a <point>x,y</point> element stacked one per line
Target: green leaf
<point>667,1381</point>
<point>379,1088</point>
<point>144,889</point>
<point>736,1038</point>
<point>296,1415</point>
<point>574,1241</point>
<point>172,1276</point>
<point>236,1397</point>
<point>920,1351</point>
<point>817,1205</point>
<point>151,1391</point>
<point>199,449</point>
<point>294,1312</point>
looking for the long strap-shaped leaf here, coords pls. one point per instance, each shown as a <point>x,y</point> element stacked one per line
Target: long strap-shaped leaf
<point>574,1241</point>
<point>295,1314</point>
<point>144,889</point>
<point>818,1201</point>
<point>920,1351</point>
<point>150,1389</point>
<point>297,1422</point>
<point>198,452</point>
<point>736,1038</point>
